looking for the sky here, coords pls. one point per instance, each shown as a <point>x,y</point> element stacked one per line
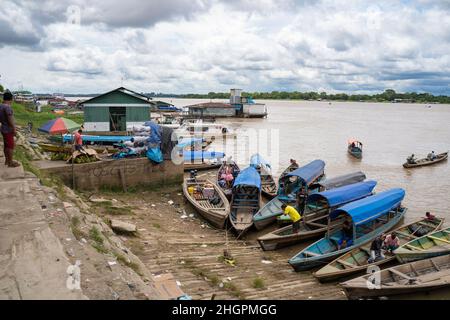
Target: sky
<point>198,46</point>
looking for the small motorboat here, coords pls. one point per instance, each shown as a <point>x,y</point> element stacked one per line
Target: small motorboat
<point>228,167</point>
<point>355,148</point>
<point>426,161</point>
<point>268,184</point>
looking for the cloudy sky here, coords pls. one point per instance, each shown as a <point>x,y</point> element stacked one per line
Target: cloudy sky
<point>181,46</point>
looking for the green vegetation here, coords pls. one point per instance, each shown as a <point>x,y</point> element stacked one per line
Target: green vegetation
<point>387,96</point>
<point>75,226</point>
<point>96,236</point>
<point>125,261</point>
<point>1,88</point>
<point>24,114</point>
<point>258,283</point>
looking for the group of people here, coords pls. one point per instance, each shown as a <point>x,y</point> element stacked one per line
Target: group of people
<point>412,159</point>
<point>227,176</point>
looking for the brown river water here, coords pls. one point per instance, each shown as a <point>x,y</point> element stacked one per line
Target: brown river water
<point>390,132</point>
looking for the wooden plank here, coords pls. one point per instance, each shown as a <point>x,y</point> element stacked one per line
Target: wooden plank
<point>414,248</point>
<point>406,235</point>
<point>400,274</point>
<point>312,254</point>
<point>345,263</point>
<point>435,265</point>
<point>438,239</point>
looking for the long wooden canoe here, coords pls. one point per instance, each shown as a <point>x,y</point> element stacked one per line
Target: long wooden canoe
<point>370,217</point>
<point>245,200</point>
<point>418,276</point>
<point>357,260</point>
<point>284,237</point>
<point>216,214</point>
<point>268,185</point>
<point>227,189</point>
<point>428,246</point>
<point>426,162</point>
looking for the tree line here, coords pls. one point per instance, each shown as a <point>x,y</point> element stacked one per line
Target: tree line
<point>388,95</point>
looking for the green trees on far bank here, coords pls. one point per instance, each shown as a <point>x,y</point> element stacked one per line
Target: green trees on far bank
<point>388,95</point>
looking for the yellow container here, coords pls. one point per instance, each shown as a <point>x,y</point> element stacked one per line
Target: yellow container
<point>191,190</point>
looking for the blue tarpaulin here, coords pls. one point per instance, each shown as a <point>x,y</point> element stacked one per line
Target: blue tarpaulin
<point>98,139</point>
<point>257,160</point>
<point>345,194</point>
<point>188,141</point>
<point>197,155</point>
<point>249,176</point>
<point>370,208</point>
<point>155,134</point>
<point>310,172</point>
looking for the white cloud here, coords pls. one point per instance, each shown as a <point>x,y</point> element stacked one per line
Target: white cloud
<point>201,46</point>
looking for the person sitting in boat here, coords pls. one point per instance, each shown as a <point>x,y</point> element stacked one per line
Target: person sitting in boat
<point>391,242</point>
<point>429,216</point>
<point>431,155</point>
<point>227,176</point>
<point>293,162</point>
<point>294,215</point>
<point>375,249</point>
<point>347,235</point>
<point>411,159</point>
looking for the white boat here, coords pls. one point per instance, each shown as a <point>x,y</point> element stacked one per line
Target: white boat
<point>206,130</point>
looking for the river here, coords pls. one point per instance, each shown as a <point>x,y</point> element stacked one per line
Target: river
<point>390,132</point>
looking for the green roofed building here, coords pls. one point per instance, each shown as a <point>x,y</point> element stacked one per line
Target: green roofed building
<point>116,110</point>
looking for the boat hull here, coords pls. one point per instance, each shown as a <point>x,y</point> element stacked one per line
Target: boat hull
<point>302,264</point>
<point>269,243</point>
<point>331,272</point>
<point>216,216</point>
<point>424,162</point>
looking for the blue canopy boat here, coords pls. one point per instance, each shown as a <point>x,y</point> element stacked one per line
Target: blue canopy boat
<point>302,176</point>
<point>370,217</point>
<point>336,182</point>
<point>268,184</point>
<point>299,179</point>
<point>315,218</point>
<point>245,199</point>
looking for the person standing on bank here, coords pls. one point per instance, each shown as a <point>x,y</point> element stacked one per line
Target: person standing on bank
<point>78,140</point>
<point>8,129</point>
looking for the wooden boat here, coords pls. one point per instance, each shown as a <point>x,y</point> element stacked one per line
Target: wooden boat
<point>201,166</point>
<point>426,162</point>
<point>245,199</point>
<point>290,184</point>
<point>356,260</point>
<point>355,148</point>
<point>428,246</point>
<point>419,276</point>
<point>232,167</point>
<point>268,184</point>
<point>370,217</point>
<point>336,182</point>
<point>200,193</point>
<point>315,217</point>
<point>289,169</point>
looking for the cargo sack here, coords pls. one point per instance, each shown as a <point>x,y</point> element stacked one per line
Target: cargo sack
<point>155,155</point>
